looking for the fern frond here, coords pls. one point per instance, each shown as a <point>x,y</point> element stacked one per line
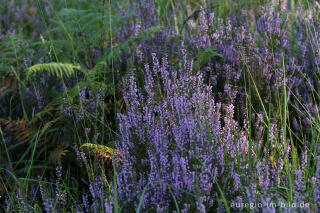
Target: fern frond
<point>50,110</point>
<point>18,128</point>
<point>58,69</point>
<point>143,35</point>
<point>10,54</point>
<point>8,81</point>
<point>52,123</point>
<point>102,153</point>
<point>204,57</point>
<point>72,12</point>
<point>59,152</point>
<point>60,44</point>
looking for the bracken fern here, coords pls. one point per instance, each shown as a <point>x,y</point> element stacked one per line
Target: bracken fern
<point>59,69</point>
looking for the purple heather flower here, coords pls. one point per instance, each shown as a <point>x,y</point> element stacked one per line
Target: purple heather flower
<point>85,203</point>
<point>39,98</point>
<point>22,201</point>
<point>108,206</point>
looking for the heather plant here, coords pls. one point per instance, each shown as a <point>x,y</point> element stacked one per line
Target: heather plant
<point>22,15</point>
<point>177,125</point>
<point>159,106</point>
<point>190,145</point>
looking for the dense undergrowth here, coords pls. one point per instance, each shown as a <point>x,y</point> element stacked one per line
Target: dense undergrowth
<point>159,106</point>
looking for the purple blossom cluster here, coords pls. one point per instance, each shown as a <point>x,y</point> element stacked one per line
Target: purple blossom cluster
<point>89,105</point>
<point>172,133</point>
<point>200,135</point>
<point>176,141</point>
<point>22,13</point>
<point>261,55</point>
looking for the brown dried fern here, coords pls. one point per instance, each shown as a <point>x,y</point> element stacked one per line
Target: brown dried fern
<point>8,80</point>
<point>18,128</point>
<point>103,153</point>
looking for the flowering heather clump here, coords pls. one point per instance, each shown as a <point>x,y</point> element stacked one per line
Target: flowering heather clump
<point>173,134</point>
<point>176,142</point>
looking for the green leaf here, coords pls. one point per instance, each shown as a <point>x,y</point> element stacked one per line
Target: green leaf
<point>58,69</point>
